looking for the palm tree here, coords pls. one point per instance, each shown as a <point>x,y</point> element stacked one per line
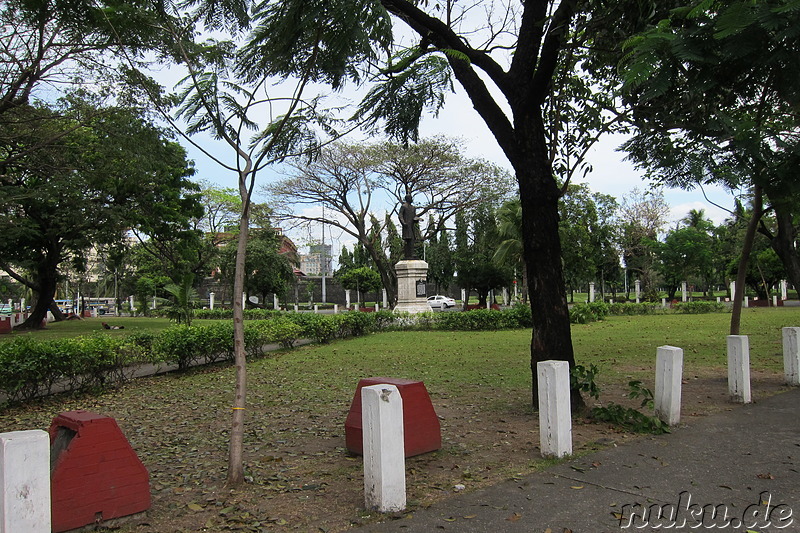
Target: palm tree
<point>184,296</point>
<point>509,252</point>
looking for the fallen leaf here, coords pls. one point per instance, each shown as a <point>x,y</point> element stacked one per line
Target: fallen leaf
<point>577,487</point>
<point>766,476</point>
<point>195,507</point>
<point>470,516</point>
<point>514,517</point>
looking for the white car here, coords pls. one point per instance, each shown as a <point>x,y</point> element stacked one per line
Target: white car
<point>441,302</point>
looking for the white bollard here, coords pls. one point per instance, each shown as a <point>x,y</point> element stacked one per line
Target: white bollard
<point>296,308</point>
<point>747,301</point>
<point>335,309</point>
<point>718,299</point>
<point>775,301</point>
<point>377,306</point>
<point>384,448</point>
<point>791,355</point>
<point>211,300</point>
<point>663,302</point>
<point>276,304</point>
<point>25,469</point>
<point>784,291</point>
<point>739,368</point>
<point>669,373</point>
<point>316,309</point>
<point>385,299</point>
<point>555,413</point>
<point>591,292</point>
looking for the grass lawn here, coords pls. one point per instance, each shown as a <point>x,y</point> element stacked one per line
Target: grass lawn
<point>86,326</point>
<point>300,476</point>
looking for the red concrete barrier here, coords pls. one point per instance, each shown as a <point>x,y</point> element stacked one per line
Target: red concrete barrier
<point>422,432</point>
<point>96,475</point>
<point>5,324</point>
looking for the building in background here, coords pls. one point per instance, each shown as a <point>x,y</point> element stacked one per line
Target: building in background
<point>318,261</point>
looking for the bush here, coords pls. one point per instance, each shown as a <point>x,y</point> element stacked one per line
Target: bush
<point>282,331</point>
<point>631,309</point>
<point>696,308</point>
<point>356,323</point>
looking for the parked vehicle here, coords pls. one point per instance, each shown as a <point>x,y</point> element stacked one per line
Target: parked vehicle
<point>441,302</point>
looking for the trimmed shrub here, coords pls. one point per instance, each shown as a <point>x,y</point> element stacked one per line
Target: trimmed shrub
<point>696,308</point>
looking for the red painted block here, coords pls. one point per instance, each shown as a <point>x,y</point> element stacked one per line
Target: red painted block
<point>422,432</point>
<point>5,324</point>
<point>96,475</point>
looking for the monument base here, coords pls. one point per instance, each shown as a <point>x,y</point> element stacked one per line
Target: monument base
<point>410,272</point>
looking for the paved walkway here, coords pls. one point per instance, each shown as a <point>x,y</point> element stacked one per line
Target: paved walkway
<point>732,461</point>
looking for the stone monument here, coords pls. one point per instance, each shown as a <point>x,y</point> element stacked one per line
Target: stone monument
<point>412,272</point>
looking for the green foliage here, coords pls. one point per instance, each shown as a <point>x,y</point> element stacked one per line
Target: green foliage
<point>629,418</point>
<point>184,297</point>
<point>583,379</point>
<point>632,309</point>
<point>589,312</point>
<point>695,308</point>
<point>30,368</point>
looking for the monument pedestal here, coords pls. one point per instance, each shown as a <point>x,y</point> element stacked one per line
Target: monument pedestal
<point>411,274</point>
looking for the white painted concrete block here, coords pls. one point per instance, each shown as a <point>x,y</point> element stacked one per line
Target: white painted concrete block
<point>335,309</point>
<point>555,412</point>
<point>739,368</point>
<point>669,374</point>
<point>25,472</point>
<point>791,355</point>
<point>384,449</point>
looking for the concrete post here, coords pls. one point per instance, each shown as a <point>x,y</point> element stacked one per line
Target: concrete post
<point>791,355</point>
<point>377,306</point>
<point>347,298</point>
<point>130,301</point>
<point>591,292</point>
<point>784,290</point>
<point>638,285</point>
<point>335,309</point>
<point>555,414</point>
<point>464,296</point>
<point>669,372</point>
<point>739,368</point>
<point>718,299</point>
<point>505,295</point>
<point>747,301</point>
<point>211,300</point>
<point>775,300</point>
<point>244,301</point>
<point>154,302</point>
<point>296,308</point>
<point>22,308</point>
<point>384,448</point>
<point>385,299</point>
<point>276,304</point>
<point>316,309</point>
<point>684,293</point>
<point>25,472</point>
<point>733,290</point>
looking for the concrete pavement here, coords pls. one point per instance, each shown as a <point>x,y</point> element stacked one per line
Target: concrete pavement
<point>738,470</point>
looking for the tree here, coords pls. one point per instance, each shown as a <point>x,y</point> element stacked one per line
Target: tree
<point>184,297</point>
<point>505,59</point>
<point>715,101</point>
<point>110,172</point>
<point>476,245</point>
<point>509,252</point>
<point>361,280</point>
<point>266,271</point>
<point>346,178</point>
<point>587,226</point>
<point>439,257</point>
<point>642,215</point>
<point>684,254</point>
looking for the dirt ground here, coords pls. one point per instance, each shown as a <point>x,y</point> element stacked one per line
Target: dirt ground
<point>301,478</point>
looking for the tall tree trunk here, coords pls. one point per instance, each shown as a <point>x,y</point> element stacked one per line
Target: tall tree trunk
<point>747,247</point>
<point>236,450</point>
<point>783,241</point>
<point>551,338</point>
<point>46,282</point>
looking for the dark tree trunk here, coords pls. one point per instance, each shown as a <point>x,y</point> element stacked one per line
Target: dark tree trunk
<point>46,281</point>
<point>551,338</point>
<point>747,246</point>
<point>783,242</point>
